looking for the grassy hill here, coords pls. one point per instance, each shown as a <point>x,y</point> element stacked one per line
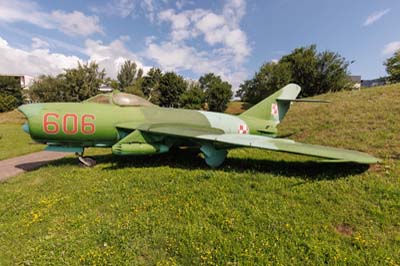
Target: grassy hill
<point>260,208</point>
<point>13,141</point>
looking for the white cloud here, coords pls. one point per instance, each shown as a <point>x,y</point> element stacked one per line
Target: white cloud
<point>126,8</point>
<point>76,23</point>
<point>111,56</point>
<point>39,60</point>
<point>371,19</point>
<point>182,3</point>
<point>216,29</point>
<point>180,57</point>
<point>73,23</point>
<point>34,62</point>
<point>225,44</point>
<point>233,11</point>
<point>391,48</point>
<point>39,43</point>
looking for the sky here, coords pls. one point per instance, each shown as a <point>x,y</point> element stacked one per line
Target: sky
<point>231,38</point>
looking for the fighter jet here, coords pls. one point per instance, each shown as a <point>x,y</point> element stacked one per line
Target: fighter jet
<point>131,125</point>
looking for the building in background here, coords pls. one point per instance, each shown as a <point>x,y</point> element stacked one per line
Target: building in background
<point>374,82</point>
<point>356,80</point>
<point>25,80</point>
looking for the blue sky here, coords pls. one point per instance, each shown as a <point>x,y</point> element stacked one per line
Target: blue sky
<point>232,38</point>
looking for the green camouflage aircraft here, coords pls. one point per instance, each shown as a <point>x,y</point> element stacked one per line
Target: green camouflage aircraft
<point>131,125</point>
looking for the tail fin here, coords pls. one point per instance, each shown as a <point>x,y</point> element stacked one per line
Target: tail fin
<point>275,107</point>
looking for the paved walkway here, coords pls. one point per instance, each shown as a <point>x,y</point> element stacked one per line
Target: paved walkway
<point>14,166</point>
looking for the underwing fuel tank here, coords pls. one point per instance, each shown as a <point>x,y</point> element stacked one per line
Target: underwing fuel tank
<point>138,148</point>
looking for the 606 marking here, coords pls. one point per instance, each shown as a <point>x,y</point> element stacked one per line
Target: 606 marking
<point>87,126</point>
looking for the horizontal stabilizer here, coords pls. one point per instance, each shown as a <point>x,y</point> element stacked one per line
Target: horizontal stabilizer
<point>303,100</point>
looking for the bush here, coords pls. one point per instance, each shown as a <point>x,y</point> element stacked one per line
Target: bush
<point>8,103</point>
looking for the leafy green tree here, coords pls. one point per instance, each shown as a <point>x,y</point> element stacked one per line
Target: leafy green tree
<point>171,87</point>
<point>315,72</point>
<point>193,98</point>
<point>112,83</point>
<point>270,78</point>
<point>7,102</point>
<point>128,74</point>
<point>75,85</point>
<point>48,89</point>
<point>218,93</point>
<point>393,67</point>
<point>303,63</point>
<point>151,83</point>
<point>10,92</point>
<point>82,82</point>
<point>332,74</point>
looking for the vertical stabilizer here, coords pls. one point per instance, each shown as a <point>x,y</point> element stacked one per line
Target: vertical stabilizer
<point>275,107</point>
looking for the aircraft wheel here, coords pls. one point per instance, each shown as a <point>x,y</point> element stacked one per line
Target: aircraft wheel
<point>86,161</point>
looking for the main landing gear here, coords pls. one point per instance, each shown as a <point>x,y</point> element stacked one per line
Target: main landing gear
<point>85,161</point>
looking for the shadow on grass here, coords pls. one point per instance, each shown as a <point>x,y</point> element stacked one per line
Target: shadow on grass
<point>189,160</point>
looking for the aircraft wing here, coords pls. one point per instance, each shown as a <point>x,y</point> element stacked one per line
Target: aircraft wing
<point>286,145</point>
<point>217,136</point>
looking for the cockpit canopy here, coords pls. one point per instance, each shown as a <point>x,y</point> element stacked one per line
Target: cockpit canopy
<point>120,99</point>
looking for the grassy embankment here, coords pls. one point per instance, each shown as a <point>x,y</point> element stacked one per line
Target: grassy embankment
<point>259,208</point>
<point>13,141</point>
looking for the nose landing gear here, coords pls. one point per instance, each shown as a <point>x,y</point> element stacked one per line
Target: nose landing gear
<point>85,161</point>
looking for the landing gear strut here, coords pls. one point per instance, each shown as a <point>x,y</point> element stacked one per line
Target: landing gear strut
<point>85,161</point>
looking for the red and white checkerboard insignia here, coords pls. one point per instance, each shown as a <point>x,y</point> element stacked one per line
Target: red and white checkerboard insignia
<point>274,109</point>
<point>243,129</point>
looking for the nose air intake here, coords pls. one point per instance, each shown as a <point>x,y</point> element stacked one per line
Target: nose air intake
<point>30,110</point>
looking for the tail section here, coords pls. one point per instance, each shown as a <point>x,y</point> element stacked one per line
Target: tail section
<point>274,108</point>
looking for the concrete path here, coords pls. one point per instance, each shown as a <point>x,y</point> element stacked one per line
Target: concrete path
<point>14,166</point>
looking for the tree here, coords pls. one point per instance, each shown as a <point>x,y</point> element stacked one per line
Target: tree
<point>217,92</point>
<point>10,93</point>
<point>393,67</point>
<point>171,87</point>
<point>112,83</point>
<point>270,78</point>
<point>315,72</point>
<point>151,83</point>
<point>128,74</point>
<point>48,89</point>
<point>82,82</point>
<point>7,102</point>
<point>193,98</point>
<point>332,74</point>
<point>75,85</point>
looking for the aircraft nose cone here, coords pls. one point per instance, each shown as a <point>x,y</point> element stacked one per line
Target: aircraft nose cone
<point>30,110</point>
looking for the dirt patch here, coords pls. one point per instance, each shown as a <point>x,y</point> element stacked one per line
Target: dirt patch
<point>344,229</point>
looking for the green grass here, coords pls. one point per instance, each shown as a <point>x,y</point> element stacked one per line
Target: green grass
<point>260,208</point>
<point>13,141</point>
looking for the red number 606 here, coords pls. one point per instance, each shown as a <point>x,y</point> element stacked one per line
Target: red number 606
<point>51,124</point>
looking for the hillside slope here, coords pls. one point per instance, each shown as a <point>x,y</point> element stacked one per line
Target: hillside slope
<point>366,120</point>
